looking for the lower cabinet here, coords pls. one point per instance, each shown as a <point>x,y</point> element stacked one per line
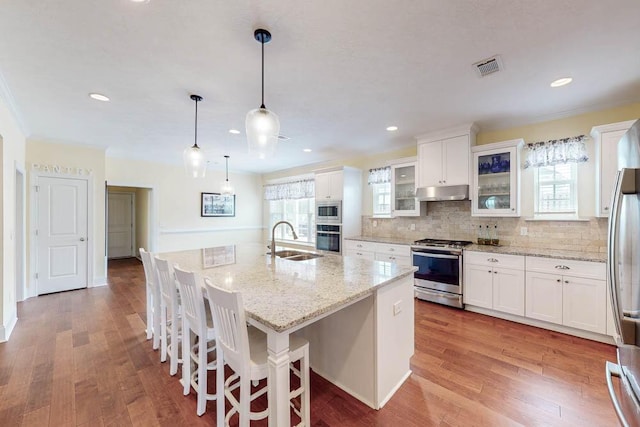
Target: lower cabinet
<point>494,281</point>
<point>570,298</point>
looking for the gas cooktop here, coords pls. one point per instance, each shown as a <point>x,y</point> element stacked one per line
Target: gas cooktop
<point>442,243</point>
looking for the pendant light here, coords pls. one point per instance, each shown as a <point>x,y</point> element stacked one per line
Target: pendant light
<point>194,162</point>
<point>227,189</point>
<point>262,125</point>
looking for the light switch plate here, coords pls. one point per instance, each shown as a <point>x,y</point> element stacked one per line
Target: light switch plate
<point>397,308</point>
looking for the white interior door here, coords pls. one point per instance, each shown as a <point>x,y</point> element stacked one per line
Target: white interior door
<point>120,227</point>
<point>62,234</point>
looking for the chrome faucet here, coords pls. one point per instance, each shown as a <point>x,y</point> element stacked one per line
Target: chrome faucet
<point>273,236</point>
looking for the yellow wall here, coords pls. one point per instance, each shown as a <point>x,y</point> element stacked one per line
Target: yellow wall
<point>12,154</point>
<point>177,202</point>
<point>76,156</point>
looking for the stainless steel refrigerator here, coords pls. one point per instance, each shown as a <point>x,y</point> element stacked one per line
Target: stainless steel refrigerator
<point>623,266</point>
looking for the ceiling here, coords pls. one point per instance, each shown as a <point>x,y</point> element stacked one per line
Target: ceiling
<point>337,73</point>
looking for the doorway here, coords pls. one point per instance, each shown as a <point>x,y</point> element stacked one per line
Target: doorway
<point>128,206</point>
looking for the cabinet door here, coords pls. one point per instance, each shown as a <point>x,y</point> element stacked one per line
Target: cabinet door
<point>430,158</point>
<point>544,297</point>
<point>403,190</point>
<point>608,169</point>
<point>456,161</point>
<point>495,182</point>
<point>585,304</point>
<point>396,259</point>
<point>508,290</point>
<point>359,254</point>
<point>478,287</point>
<point>329,185</point>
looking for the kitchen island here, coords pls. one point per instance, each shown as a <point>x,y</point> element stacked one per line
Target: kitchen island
<point>358,316</point>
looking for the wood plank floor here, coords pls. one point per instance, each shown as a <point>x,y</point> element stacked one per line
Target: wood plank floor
<point>81,358</point>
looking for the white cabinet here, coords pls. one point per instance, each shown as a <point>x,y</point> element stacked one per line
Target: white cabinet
<point>495,187</point>
<point>494,281</point>
<point>443,157</point>
<point>397,254</point>
<point>606,139</point>
<point>329,185</point>
<point>403,190</point>
<point>566,292</point>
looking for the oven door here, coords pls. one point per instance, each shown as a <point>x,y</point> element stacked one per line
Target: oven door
<point>328,238</point>
<point>438,270</point>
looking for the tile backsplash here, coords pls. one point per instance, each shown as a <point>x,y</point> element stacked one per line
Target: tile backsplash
<point>453,220</point>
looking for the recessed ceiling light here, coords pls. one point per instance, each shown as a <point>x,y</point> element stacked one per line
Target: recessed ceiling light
<point>99,97</point>
<point>140,1</point>
<point>561,82</point>
<point>392,128</point>
<point>307,150</point>
<point>234,131</point>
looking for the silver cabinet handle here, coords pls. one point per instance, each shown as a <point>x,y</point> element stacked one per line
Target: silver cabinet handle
<point>495,272</point>
<point>562,267</point>
<point>391,249</point>
<point>489,271</point>
<point>558,280</point>
<point>492,260</point>
<point>392,257</point>
<point>82,239</point>
<point>566,281</point>
<point>613,370</point>
<point>358,246</point>
<point>359,253</point>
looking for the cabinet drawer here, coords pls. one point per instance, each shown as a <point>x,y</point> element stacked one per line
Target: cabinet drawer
<point>354,253</point>
<point>396,259</point>
<point>359,245</point>
<point>595,270</point>
<point>494,260</point>
<point>397,250</point>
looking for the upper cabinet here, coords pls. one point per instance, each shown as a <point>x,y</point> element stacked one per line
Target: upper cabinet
<point>403,190</point>
<point>329,185</point>
<point>443,156</point>
<point>496,179</point>
<point>606,139</point>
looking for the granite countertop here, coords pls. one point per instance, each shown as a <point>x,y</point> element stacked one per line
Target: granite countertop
<point>511,250</point>
<point>547,253</point>
<point>281,293</point>
<point>389,240</point>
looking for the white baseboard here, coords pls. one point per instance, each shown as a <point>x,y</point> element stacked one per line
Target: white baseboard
<point>5,330</point>
<point>98,281</point>
<point>394,389</point>
<point>544,325</point>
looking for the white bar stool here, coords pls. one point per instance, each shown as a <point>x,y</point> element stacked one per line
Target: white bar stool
<point>195,320</point>
<point>244,349</point>
<point>170,328</point>
<point>153,298</point>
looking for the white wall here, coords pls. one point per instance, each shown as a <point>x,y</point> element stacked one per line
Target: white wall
<point>177,204</point>
<point>12,142</point>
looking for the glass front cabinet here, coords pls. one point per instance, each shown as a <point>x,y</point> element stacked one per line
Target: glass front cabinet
<point>496,179</point>
<point>403,190</point>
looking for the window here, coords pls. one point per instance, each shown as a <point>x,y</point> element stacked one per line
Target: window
<point>556,191</point>
<point>300,213</point>
<point>381,199</point>
<point>380,183</point>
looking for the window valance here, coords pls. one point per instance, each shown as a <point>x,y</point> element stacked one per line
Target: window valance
<point>301,189</point>
<point>556,151</point>
<point>380,175</point>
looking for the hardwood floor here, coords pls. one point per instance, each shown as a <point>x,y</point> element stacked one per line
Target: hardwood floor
<point>81,358</point>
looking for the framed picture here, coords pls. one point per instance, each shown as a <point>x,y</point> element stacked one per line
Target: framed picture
<point>216,204</point>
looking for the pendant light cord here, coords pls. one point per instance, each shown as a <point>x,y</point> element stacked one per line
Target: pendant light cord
<point>262,43</point>
<point>227,168</point>
<point>195,142</point>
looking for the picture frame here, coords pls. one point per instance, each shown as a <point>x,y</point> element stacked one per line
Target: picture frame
<point>216,204</point>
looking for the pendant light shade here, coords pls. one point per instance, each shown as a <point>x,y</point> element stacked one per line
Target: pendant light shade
<point>195,163</point>
<point>227,188</point>
<point>262,125</point>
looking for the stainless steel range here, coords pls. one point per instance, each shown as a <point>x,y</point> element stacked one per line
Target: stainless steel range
<point>439,275</point>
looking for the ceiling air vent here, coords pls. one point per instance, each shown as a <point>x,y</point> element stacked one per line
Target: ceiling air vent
<point>488,66</point>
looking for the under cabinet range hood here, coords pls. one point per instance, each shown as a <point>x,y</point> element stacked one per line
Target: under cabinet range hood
<point>451,192</point>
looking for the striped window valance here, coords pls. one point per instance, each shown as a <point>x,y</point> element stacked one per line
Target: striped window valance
<point>556,151</point>
<point>301,189</point>
<point>380,175</point>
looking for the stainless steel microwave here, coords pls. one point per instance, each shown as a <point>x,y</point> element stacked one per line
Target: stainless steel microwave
<point>329,212</point>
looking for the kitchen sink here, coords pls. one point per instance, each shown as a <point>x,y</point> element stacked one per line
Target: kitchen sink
<point>295,255</point>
